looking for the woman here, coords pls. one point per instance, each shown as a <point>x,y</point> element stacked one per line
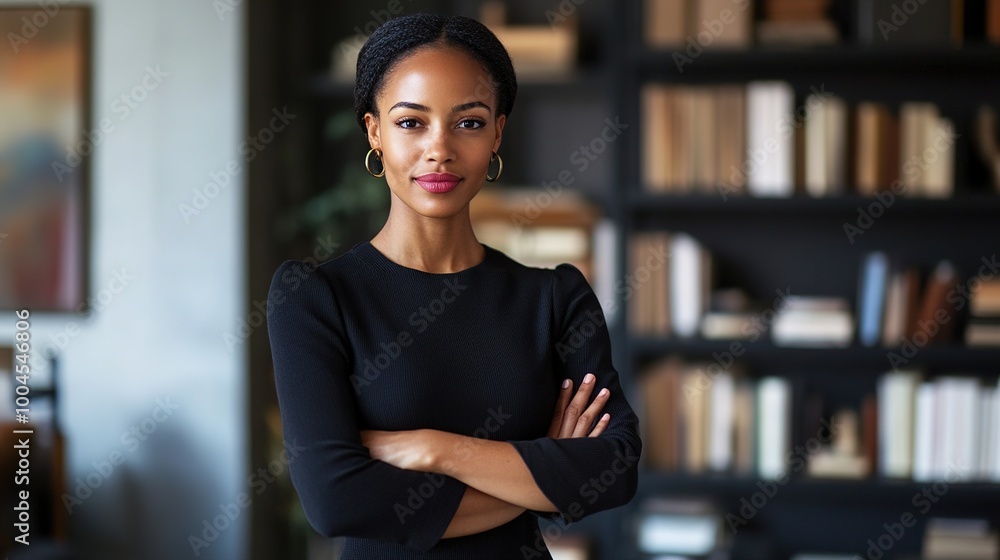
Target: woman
<point>425,378</point>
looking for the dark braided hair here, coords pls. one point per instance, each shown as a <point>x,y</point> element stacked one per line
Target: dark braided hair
<point>396,38</point>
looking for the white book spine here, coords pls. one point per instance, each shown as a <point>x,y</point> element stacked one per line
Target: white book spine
<point>770,106</point>
<point>685,285</point>
<point>773,421</point>
<point>720,430</point>
<point>923,431</point>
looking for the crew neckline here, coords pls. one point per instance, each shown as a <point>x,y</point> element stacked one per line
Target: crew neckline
<point>384,263</point>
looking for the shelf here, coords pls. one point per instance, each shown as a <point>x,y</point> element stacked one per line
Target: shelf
<point>648,203</point>
<point>820,490</point>
<point>848,58</point>
<point>943,355</point>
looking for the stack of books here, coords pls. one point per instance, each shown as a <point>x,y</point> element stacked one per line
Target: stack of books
<point>984,310</point>
<point>968,539</point>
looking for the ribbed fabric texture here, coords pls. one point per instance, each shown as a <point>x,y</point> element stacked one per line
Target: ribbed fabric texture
<point>361,342</point>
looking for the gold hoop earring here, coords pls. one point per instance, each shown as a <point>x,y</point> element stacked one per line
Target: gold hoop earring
<point>378,156</point>
<point>495,157</point>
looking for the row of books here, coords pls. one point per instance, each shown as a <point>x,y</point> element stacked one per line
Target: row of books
<point>945,428</point>
<point>704,417</point>
<point>729,24</point>
<point>896,305</point>
<point>893,309</point>
<point>751,139</point>
<point>676,298</point>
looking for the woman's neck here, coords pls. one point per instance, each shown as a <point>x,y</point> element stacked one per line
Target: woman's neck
<point>438,246</point>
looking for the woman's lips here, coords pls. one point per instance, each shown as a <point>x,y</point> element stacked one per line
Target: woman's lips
<point>438,183</point>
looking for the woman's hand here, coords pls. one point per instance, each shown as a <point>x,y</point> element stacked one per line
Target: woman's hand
<point>406,449</point>
<point>572,418</point>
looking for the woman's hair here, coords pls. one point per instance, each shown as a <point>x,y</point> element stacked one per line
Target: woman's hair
<point>398,37</point>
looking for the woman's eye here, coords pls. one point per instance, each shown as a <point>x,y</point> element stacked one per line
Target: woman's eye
<point>471,123</point>
<point>407,123</point>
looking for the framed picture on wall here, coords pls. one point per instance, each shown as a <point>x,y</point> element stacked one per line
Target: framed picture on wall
<point>46,143</point>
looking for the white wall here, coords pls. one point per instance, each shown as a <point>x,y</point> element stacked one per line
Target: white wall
<point>161,337</point>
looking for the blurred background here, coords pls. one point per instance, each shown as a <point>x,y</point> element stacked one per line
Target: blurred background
<point>788,209</point>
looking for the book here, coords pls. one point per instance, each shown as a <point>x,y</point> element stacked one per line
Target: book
<point>982,332</point>
<point>661,384</point>
<point>813,321</point>
<point>720,422</point>
<point>871,145</point>
<point>984,300</point>
<point>936,317</point>
<point>872,290</point>
<point>769,108</point>
<point>726,21</point>
<point>896,398</point>
<point>664,23</point>
<point>656,137</point>
<point>695,402</point>
<point>774,424</point>
<point>902,302</point>
<point>690,284</point>
<point>968,539</point>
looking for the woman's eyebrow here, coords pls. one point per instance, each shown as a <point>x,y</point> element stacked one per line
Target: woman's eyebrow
<point>426,109</point>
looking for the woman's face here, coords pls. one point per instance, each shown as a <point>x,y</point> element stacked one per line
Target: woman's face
<point>436,130</point>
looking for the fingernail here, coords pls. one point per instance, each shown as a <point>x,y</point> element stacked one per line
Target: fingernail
<point>588,378</point>
<point>565,383</point>
<point>606,416</point>
<point>603,392</point>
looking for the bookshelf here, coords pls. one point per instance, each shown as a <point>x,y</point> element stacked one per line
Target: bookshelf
<point>764,243</point>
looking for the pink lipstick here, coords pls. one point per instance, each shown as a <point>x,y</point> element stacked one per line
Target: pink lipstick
<point>438,183</point>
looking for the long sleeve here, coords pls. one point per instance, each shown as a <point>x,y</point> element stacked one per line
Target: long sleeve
<point>344,492</point>
<point>582,476</point>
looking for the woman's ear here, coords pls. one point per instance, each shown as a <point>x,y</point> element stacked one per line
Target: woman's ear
<point>501,120</point>
<point>374,138</point>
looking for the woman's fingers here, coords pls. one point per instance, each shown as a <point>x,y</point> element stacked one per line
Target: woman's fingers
<point>561,402</point>
<point>576,406</point>
<point>601,425</point>
<point>591,413</point>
